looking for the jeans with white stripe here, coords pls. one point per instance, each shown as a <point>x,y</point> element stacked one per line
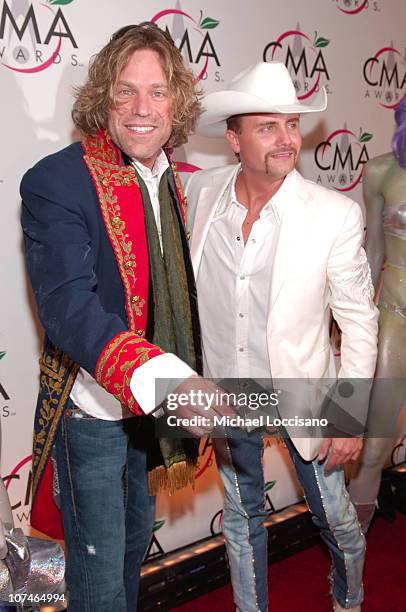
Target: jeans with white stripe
<point>239,460</point>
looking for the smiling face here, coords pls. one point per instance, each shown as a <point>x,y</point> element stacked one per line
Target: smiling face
<point>141,121</point>
<point>267,143</point>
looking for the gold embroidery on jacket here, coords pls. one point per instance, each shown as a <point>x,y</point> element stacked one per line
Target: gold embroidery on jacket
<point>108,351</point>
<point>96,147</point>
<point>142,353</point>
<point>53,368</point>
<point>106,177</point>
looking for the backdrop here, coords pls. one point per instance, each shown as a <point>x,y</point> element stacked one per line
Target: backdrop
<point>355,48</point>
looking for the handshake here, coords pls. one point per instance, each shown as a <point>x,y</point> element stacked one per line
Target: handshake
<point>197,404</point>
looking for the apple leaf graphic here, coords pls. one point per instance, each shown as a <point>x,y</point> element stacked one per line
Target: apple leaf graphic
<point>157,526</point>
<point>60,1</point>
<point>365,137</point>
<point>269,485</point>
<point>321,42</point>
<point>208,23</point>
<point>2,353</point>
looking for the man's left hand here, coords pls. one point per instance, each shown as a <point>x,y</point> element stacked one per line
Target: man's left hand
<point>339,451</point>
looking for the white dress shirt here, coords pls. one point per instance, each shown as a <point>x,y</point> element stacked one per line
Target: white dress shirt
<point>86,392</point>
<point>233,288</point>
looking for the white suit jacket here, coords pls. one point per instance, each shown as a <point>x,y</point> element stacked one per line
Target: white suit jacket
<point>319,263</point>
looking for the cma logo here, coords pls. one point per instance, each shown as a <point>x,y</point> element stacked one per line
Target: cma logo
<point>192,37</point>
<point>18,484</point>
<point>206,457</point>
<point>341,158</point>
<point>304,59</point>
<point>155,549</point>
<point>385,75</point>
<point>217,520</point>
<point>354,7</point>
<point>5,410</point>
<point>33,39</point>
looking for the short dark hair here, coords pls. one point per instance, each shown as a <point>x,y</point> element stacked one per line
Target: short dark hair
<point>234,124</point>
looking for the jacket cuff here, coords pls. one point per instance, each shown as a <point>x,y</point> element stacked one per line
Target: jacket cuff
<point>153,381</point>
<point>117,362</point>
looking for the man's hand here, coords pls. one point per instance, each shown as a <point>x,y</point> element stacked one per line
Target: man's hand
<point>206,401</point>
<point>339,451</point>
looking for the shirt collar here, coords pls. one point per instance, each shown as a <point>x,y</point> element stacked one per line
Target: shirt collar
<point>161,164</point>
<point>275,204</point>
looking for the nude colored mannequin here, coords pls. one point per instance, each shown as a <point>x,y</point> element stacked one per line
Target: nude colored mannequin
<point>385,200</point>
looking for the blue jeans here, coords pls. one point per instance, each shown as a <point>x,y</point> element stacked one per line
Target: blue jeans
<point>106,510</point>
<point>239,460</point>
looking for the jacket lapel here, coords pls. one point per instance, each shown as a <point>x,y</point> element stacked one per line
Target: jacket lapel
<point>207,207</point>
<point>289,244</point>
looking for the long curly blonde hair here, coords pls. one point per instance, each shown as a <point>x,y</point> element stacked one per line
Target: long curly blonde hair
<point>95,98</point>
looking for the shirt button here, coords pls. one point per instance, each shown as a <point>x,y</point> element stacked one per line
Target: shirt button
<point>253,240</point>
<point>241,315</point>
<point>238,238</point>
<point>242,277</point>
<point>241,349</point>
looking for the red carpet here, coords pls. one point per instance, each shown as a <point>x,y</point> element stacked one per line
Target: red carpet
<point>299,583</point>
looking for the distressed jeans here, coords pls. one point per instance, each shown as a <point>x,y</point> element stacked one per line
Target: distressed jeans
<point>239,461</point>
<point>106,510</point>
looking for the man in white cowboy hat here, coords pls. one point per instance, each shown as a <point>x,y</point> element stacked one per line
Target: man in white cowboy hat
<point>272,254</point>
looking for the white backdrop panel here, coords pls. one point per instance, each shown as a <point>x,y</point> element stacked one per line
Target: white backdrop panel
<point>353,47</point>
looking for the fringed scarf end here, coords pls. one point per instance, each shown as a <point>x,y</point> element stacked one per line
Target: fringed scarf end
<point>176,477</point>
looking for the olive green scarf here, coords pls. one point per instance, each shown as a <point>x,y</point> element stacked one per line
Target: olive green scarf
<point>175,329</point>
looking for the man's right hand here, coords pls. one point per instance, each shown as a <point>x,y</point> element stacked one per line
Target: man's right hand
<point>206,400</point>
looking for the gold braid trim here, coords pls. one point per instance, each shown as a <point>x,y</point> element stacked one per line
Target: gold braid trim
<point>101,147</point>
<point>52,371</point>
<point>106,177</point>
<point>119,358</point>
<point>179,188</point>
<point>124,336</point>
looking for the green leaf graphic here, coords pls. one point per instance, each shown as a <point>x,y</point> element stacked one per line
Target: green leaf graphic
<point>321,42</point>
<point>60,1</point>
<point>209,23</point>
<point>157,526</point>
<point>365,137</point>
<point>2,353</point>
<point>269,485</point>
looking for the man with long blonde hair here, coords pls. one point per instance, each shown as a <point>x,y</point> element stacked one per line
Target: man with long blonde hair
<point>108,261</point>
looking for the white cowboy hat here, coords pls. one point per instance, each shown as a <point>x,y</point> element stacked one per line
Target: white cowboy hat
<point>265,87</point>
